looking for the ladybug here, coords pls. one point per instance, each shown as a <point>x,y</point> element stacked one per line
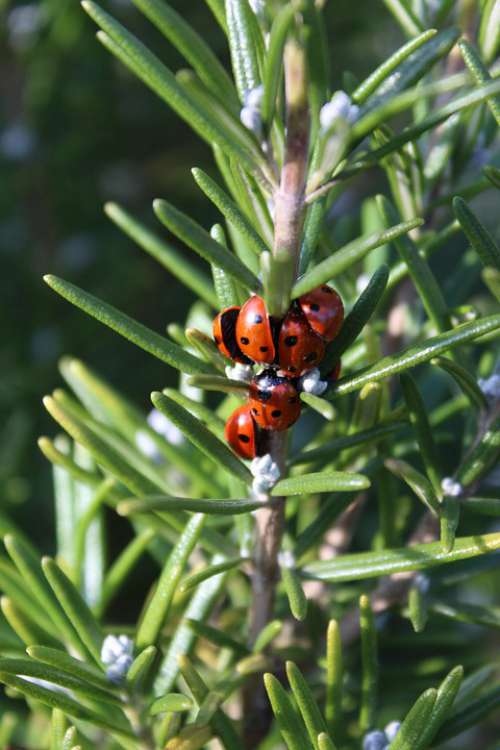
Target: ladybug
<point>334,375</point>
<point>274,401</point>
<point>324,311</point>
<point>299,347</point>
<point>241,432</point>
<point>254,331</point>
<point>224,333</point>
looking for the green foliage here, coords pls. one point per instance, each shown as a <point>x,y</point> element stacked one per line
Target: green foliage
<point>388,489</point>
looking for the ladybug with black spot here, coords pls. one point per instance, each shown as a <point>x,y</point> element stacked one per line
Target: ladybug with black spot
<point>299,347</point>
<point>255,331</point>
<point>243,434</point>
<point>224,333</point>
<point>323,310</point>
<point>274,401</point>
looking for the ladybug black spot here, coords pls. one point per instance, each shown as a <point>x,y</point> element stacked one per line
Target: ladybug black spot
<point>264,348</point>
<point>244,438</point>
<point>276,413</point>
<point>258,319</point>
<point>315,306</point>
<point>292,368</point>
<point>311,357</point>
<point>265,395</point>
<point>290,340</point>
<point>256,412</point>
<point>244,340</point>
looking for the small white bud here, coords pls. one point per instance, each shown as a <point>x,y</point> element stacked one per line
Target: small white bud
<point>375,740</point>
<point>491,387</point>
<point>451,488</point>
<point>253,98</point>
<point>286,559</point>
<point>422,582</point>
<point>311,382</point>
<point>392,729</point>
<point>251,119</point>
<point>243,373</point>
<point>339,107</point>
<point>117,655</point>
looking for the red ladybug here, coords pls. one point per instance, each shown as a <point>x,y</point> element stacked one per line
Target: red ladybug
<point>254,331</point>
<point>299,347</point>
<point>224,332</point>
<point>274,401</point>
<point>324,311</point>
<point>241,432</point>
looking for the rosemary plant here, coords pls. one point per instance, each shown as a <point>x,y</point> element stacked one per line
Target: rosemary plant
<point>352,604</point>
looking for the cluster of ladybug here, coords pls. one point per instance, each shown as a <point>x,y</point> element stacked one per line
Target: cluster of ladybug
<point>286,349</point>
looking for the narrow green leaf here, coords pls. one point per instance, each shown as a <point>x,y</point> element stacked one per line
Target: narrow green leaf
<point>325,743</point>
<point>329,481</point>
<point>70,468</point>
<point>274,61</point>
<point>478,236</point>
<point>130,329</point>
<point>219,384</point>
<point>66,704</point>
<point>278,272</point>
<point>225,286</point>
<point>404,16</point>
<point>57,729</point>
<point>334,679</point>
<point>425,438</point>
<point>415,723</point>
<point>157,609</point>
<point>491,277</point>
<point>419,483</point>
<point>485,506</point>
<point>297,600</point>
<point>386,562</point>
<point>77,667</point>
<point>217,8</point>
<point>202,438</point>
<point>170,258</point>
<point>311,715</point>
<point>421,274</point>
<point>470,715</point>
<point>230,210</point>
<point>30,569</point>
<point>206,347</point>
<point>191,45</point>
<point>193,235</point>
<point>75,608</point>
<point>416,355</point>
<point>313,224</point>
<point>140,669</point>
<point>160,79</point>
<point>58,676</point>
<point>199,410</point>
<point>355,321</point>
<point>369,664</point>
<point>417,607</point>
<point>176,702</point>
<point>480,74</point>
<point>466,382</point>
<point>348,255</point>
<point>290,726</point>
<point>319,405</point>
<point>267,635</point>
<point>489,32</point>
<point>492,174</point>
<point>242,43</point>
<point>208,572</point>
<point>448,522</point>
<point>389,66</point>
<point>482,458</point>
<point>27,630</point>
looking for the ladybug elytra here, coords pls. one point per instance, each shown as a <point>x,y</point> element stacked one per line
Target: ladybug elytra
<point>254,331</point>
<point>240,432</point>
<point>299,347</point>
<point>324,311</point>
<point>224,333</point>
<point>274,401</point>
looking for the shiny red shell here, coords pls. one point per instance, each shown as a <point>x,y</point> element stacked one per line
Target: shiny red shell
<point>274,402</point>
<point>254,334</point>
<point>324,311</point>
<point>240,432</point>
<point>224,333</point>
<point>299,347</point>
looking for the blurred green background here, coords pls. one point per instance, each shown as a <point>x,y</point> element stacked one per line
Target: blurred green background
<point>76,130</point>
